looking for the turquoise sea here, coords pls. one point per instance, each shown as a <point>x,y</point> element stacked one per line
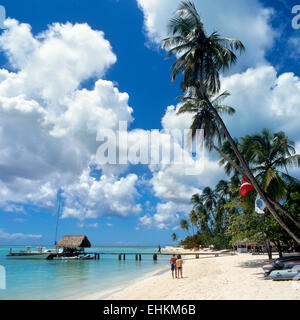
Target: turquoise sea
<point>58,279</point>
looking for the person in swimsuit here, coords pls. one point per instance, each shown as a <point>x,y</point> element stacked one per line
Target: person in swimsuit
<point>179,263</point>
<point>173,266</point>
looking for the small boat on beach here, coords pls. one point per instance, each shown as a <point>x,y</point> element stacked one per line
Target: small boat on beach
<point>287,274</point>
<point>282,263</point>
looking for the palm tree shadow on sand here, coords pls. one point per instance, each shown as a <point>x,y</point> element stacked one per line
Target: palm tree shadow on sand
<point>255,263</point>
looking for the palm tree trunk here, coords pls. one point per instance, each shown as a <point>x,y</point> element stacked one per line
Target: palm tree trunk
<point>201,75</point>
<point>280,207</point>
<point>278,247</point>
<point>249,173</point>
<point>269,248</point>
<point>240,170</point>
<point>193,230</point>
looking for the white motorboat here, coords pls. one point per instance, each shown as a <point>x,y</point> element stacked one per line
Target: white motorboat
<point>39,253</point>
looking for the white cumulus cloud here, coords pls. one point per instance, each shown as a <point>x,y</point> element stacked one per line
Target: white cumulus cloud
<point>263,99</point>
<point>18,235</point>
<point>92,198</point>
<point>49,124</point>
<point>167,214</point>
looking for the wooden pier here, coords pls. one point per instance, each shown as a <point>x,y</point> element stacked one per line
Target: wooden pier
<point>138,256</point>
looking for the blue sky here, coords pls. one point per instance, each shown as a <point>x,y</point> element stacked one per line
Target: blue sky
<point>50,144</point>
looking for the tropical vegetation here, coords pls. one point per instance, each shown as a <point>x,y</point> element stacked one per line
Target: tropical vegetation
<point>263,158</point>
<point>222,216</point>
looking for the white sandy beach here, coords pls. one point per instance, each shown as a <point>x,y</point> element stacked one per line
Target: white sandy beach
<point>235,277</point>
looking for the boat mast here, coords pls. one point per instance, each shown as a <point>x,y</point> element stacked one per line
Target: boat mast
<point>58,212</point>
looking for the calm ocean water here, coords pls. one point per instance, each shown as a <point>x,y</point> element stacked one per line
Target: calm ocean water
<point>56,279</point>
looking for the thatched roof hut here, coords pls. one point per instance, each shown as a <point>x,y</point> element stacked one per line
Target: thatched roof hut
<point>73,242</point>
<point>251,243</point>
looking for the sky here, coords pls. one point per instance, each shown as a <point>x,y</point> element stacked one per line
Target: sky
<point>72,69</point>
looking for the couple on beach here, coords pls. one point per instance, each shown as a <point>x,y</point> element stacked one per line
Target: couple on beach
<point>176,266</point>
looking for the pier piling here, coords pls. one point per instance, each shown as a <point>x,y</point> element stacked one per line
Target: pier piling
<point>138,256</point>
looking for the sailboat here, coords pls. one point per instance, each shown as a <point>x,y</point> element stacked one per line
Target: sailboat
<point>39,252</point>
<point>69,247</point>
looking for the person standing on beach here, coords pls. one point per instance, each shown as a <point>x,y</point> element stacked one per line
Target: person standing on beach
<point>173,266</point>
<point>159,249</point>
<point>179,263</point>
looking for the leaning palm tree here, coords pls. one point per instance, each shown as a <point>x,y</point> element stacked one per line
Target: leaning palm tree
<point>203,214</point>
<point>184,224</point>
<point>174,236</point>
<point>209,198</point>
<point>219,214</point>
<point>193,216</point>
<point>195,200</point>
<point>227,191</point>
<point>202,58</point>
<point>203,118</point>
<point>223,189</point>
<point>235,184</point>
